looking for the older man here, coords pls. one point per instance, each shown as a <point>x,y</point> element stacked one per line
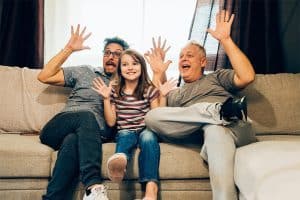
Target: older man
<point>183,118</point>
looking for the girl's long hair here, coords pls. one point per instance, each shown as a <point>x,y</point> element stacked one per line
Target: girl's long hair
<point>144,81</point>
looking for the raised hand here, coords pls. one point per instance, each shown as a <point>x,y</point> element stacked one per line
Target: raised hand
<point>167,86</point>
<point>156,62</point>
<point>101,88</point>
<point>157,48</point>
<point>223,26</point>
<point>77,39</point>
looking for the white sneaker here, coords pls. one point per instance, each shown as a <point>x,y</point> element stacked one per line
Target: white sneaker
<point>98,192</point>
<point>116,167</point>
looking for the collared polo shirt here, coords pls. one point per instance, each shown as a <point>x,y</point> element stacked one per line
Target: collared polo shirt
<point>83,97</point>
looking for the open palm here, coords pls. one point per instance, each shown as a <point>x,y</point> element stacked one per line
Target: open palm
<point>160,48</point>
<point>167,86</point>
<point>101,88</point>
<point>156,62</point>
<point>77,39</point>
<point>223,25</point>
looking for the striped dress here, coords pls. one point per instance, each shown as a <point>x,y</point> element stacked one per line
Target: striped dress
<point>131,111</point>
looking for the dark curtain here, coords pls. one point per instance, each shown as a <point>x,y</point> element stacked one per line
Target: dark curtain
<point>22,33</point>
<point>255,30</point>
<point>258,34</point>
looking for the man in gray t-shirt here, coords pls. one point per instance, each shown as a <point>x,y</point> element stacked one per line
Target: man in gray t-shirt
<point>80,79</point>
<point>182,117</point>
<point>79,129</point>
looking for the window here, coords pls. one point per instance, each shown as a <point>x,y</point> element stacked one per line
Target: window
<point>136,21</point>
<point>205,17</point>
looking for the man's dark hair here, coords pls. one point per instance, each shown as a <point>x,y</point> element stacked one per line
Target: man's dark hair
<point>117,40</point>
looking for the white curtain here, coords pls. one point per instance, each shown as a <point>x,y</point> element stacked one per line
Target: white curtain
<point>136,21</point>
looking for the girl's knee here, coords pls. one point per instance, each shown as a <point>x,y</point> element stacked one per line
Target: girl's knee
<point>147,136</point>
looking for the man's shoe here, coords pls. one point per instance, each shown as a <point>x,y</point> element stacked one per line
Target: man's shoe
<point>98,192</point>
<point>233,109</point>
<point>116,167</point>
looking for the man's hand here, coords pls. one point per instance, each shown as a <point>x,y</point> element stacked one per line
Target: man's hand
<point>155,57</point>
<point>156,62</point>
<point>223,26</point>
<point>157,48</point>
<point>77,39</point>
<point>101,88</point>
<point>167,87</point>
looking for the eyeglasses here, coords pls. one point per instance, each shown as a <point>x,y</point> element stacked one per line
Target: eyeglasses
<point>115,54</point>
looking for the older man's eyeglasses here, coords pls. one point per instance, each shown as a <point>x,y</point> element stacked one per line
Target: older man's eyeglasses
<point>115,54</point>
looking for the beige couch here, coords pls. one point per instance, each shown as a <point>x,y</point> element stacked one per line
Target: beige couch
<point>25,164</point>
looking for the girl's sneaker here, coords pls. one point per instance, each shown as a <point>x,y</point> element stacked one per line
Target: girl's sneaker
<point>116,167</point>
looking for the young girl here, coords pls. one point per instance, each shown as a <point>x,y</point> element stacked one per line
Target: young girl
<point>126,105</point>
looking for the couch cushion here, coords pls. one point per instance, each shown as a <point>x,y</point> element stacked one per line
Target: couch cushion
<point>278,138</point>
<point>257,163</point>
<point>274,103</point>
<point>177,162</point>
<point>27,104</point>
<point>23,156</point>
<point>181,162</point>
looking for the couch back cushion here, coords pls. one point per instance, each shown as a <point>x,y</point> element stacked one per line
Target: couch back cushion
<point>274,103</point>
<point>26,104</point>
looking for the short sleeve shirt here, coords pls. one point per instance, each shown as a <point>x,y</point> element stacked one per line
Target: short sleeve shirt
<point>214,87</point>
<point>131,111</point>
<point>83,97</point>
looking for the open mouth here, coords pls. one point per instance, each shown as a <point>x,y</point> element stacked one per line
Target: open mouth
<point>185,66</point>
<point>110,63</point>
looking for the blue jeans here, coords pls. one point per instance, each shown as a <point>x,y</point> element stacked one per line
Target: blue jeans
<point>77,136</point>
<point>149,155</point>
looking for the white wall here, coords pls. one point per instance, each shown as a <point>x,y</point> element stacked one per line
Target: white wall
<point>136,21</point>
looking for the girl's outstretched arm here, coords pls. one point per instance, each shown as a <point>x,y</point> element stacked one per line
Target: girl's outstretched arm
<point>105,91</point>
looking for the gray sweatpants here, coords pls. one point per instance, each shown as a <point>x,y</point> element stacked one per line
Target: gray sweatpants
<point>219,141</point>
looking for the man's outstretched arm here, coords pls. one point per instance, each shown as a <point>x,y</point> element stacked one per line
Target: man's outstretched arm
<point>52,72</point>
<point>244,72</point>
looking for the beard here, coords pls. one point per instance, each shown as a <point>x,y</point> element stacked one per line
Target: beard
<point>109,74</point>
